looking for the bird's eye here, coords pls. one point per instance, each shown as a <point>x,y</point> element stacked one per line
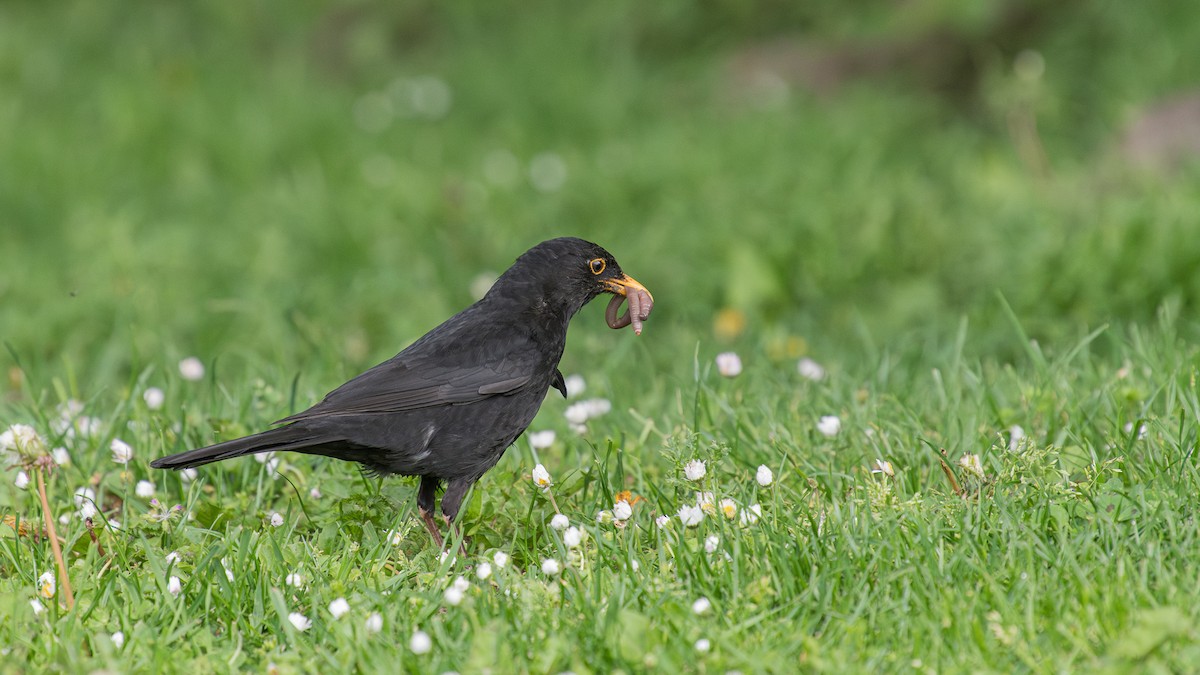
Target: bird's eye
<point>597,265</point>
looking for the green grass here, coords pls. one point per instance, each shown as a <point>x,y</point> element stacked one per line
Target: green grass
<point>183,181</point>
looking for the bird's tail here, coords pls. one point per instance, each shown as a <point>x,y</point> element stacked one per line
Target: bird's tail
<point>291,437</point>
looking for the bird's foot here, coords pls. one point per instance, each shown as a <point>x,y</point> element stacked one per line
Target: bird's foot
<point>431,525</point>
<point>456,533</point>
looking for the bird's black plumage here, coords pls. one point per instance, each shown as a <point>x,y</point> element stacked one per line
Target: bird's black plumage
<point>446,407</point>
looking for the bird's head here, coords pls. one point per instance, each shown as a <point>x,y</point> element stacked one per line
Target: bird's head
<point>566,274</point>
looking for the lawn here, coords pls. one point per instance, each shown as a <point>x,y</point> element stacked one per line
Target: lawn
<point>961,432</point>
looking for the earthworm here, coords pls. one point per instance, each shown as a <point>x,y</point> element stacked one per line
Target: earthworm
<point>640,304</point>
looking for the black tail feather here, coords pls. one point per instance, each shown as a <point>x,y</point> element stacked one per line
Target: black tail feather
<point>283,438</point>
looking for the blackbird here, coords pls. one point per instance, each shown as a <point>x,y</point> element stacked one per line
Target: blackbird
<point>448,406</point>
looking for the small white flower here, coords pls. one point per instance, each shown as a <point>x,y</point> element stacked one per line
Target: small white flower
<point>560,522</point>
<point>87,510</point>
<point>576,414</point>
<point>64,519</point>
<point>453,596</point>
<point>971,462</point>
<point>701,606</point>
<point>144,489</point>
<point>264,457</point>
<point>501,558</point>
<point>191,368</point>
<point>703,645</point>
<point>118,639</point>
<point>540,440</point>
<point>483,570</point>
<point>22,480</point>
<point>374,623</point>
<point>622,510</point>
<point>394,537</point>
<point>829,425</point>
<point>694,470</point>
<point>228,572</point>
<point>884,467</point>
<point>810,369</point>
<point>84,495</point>
<point>1141,431</point>
<point>46,586</point>
<point>550,567</point>
<point>276,519</point>
<point>461,584</point>
<point>339,607</point>
<point>174,586</point>
<point>690,515</point>
<point>172,558</point>
<point>21,438</point>
<point>60,456</point>
<point>729,364</point>
<point>751,514</point>
<point>294,579</point>
<point>444,555</point>
<point>728,508</point>
<point>420,643</point>
<point>764,475</point>
<point>114,524</point>
<point>37,606</point>
<point>541,477</point>
<point>711,543</point>
<point>189,475</point>
<point>662,521</point>
<point>595,407</point>
<point>706,503</point>
<point>314,493</point>
<point>572,537</point>
<point>635,565</point>
<point>1015,436</point>
<point>604,517</point>
<point>575,385</point>
<point>121,452</point>
<point>154,397</point>
<point>301,622</point>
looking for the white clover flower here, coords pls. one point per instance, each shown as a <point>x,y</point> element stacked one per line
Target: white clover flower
<point>622,510</point>
<point>595,407</point>
<point>420,643</point>
<point>314,493</point>
<point>37,606</point>
<point>829,425</point>
<point>154,397</point>
<point>662,521</point>
<point>339,607</point>
<point>701,606</point>
<point>374,623</point>
<point>540,440</point>
<point>1015,435</point>
<point>703,645</point>
<point>174,586</point>
<point>810,369</point>
<point>550,567</point>
<point>575,385</point>
<point>729,364</point>
<point>191,368</point>
<point>461,584</point>
<point>751,514</point>
<point>189,475</point>
<point>483,570</point>
<point>884,467</point>
<point>972,462</point>
<point>694,470</point>
<point>764,475</point>
<point>560,522</point>
<point>299,621</point>
<point>690,516</point>
<point>294,579</point>
<point>118,639</point>
<point>22,480</point>
<point>87,510</point>
<point>500,558</point>
<point>84,494</point>
<point>121,452</point>
<point>60,456</point>
<point>711,543</point>
<point>541,477</point>
<point>576,414</point>
<point>728,508</point>
<point>572,537</point>
<point>172,558</point>
<point>453,596</point>
<point>276,519</point>
<point>144,489</point>
<point>46,586</point>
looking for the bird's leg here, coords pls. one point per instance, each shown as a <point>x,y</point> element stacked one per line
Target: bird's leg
<point>456,491</point>
<point>426,495</point>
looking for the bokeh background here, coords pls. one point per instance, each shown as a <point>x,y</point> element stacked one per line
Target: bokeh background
<point>296,185</point>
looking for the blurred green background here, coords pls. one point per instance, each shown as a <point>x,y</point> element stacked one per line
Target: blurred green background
<point>309,186</point>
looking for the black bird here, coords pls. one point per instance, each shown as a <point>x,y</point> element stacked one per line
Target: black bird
<point>448,406</point>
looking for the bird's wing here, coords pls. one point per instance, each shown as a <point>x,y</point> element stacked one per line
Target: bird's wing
<point>393,386</point>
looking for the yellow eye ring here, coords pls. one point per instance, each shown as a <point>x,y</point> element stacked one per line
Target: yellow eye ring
<point>597,265</point>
